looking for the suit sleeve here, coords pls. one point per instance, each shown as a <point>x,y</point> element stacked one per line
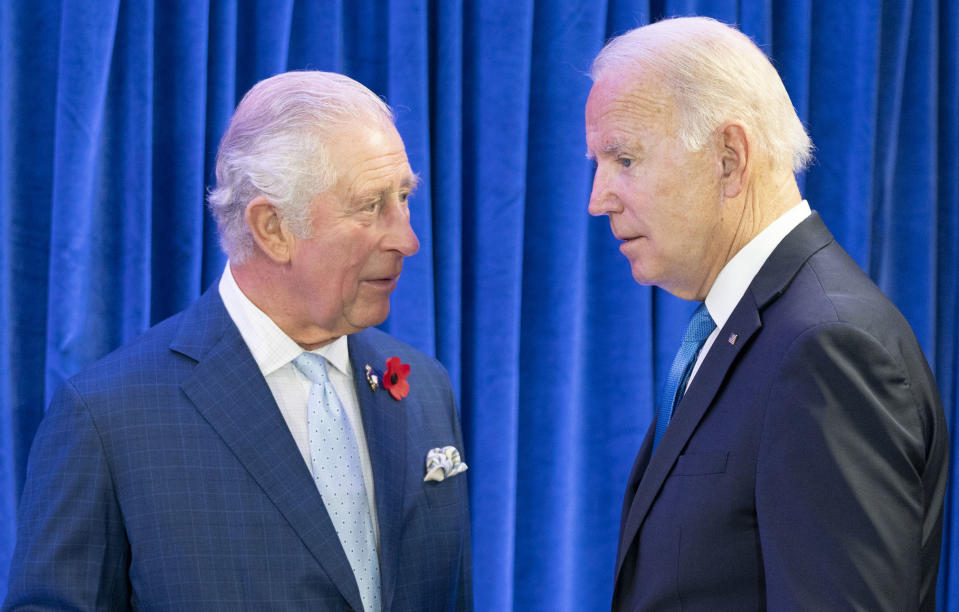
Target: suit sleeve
<point>71,551</point>
<point>839,493</point>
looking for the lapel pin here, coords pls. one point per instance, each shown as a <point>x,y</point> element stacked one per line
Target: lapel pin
<point>394,378</point>
<point>372,378</point>
<point>733,338</point>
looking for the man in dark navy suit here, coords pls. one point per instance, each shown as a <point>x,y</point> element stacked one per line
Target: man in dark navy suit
<point>798,459</point>
<point>264,449</point>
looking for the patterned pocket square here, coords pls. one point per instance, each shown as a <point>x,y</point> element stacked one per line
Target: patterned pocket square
<point>442,463</point>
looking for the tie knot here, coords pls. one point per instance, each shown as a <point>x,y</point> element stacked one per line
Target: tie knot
<point>312,366</point>
<point>700,326</point>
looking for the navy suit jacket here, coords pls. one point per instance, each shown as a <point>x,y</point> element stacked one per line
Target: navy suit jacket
<point>165,478</point>
<point>805,467</point>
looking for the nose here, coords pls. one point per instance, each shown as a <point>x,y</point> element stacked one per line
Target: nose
<point>400,235</point>
<point>601,201</point>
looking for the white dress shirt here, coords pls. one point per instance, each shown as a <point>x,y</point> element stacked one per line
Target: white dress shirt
<point>274,353</point>
<point>735,277</point>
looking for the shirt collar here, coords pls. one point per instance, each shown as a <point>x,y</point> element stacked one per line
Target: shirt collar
<point>337,353</point>
<point>735,277</point>
<point>271,347</point>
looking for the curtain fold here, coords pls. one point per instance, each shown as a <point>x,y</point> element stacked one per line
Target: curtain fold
<point>178,129</point>
<point>76,330</point>
<point>445,117</point>
<point>111,113</point>
<point>497,40</point>
<point>551,455</point>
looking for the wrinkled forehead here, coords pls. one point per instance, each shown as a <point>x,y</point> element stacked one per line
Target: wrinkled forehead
<point>620,104</point>
<point>370,154</point>
<point>371,131</point>
<point>642,93</point>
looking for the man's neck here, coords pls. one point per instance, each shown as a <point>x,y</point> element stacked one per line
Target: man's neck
<point>262,283</point>
<point>760,203</point>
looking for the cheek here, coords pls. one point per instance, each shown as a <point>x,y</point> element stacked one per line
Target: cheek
<point>637,195</point>
<point>654,202</point>
<point>359,262</point>
<point>350,278</point>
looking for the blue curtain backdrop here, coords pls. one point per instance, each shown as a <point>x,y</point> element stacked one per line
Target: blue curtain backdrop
<point>110,114</point>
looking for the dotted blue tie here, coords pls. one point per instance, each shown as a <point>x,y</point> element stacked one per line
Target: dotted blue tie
<point>339,478</point>
<point>699,328</point>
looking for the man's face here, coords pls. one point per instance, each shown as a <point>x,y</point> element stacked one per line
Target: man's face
<point>664,203</point>
<point>344,273</point>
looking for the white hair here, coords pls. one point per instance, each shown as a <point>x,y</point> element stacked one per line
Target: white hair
<point>715,74</point>
<point>276,146</point>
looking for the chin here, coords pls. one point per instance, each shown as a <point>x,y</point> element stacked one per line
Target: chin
<point>369,317</point>
<point>642,277</point>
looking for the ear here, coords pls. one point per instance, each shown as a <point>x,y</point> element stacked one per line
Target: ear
<point>269,231</point>
<point>734,156</point>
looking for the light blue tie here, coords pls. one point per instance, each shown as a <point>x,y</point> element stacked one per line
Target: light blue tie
<point>699,328</point>
<point>336,469</point>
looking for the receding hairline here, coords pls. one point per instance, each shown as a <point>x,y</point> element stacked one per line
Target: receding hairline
<point>715,74</point>
<point>408,182</point>
<point>640,95</point>
<point>660,36</point>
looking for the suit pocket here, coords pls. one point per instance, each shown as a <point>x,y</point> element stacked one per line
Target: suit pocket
<point>443,493</point>
<point>692,464</point>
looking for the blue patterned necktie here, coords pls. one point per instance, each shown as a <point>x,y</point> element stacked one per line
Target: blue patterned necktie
<point>335,462</point>
<point>699,328</point>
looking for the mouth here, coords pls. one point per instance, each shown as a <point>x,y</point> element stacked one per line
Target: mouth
<point>385,283</point>
<point>620,235</point>
<point>626,239</point>
<point>628,245</point>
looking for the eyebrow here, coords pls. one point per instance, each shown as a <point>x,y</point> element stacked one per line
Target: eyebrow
<point>609,150</point>
<point>412,182</point>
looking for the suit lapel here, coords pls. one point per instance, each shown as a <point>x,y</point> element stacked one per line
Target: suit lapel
<point>384,421</point>
<point>228,390</point>
<point>745,321</point>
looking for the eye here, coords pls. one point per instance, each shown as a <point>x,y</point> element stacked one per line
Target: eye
<point>370,207</point>
<point>625,162</point>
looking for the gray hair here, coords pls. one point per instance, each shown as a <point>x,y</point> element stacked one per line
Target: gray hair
<point>276,146</point>
<point>715,74</point>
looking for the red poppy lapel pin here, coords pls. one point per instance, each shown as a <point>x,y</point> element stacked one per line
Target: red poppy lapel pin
<point>394,379</point>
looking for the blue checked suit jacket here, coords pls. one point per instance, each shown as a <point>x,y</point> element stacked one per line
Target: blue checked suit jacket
<point>165,478</point>
<point>805,467</point>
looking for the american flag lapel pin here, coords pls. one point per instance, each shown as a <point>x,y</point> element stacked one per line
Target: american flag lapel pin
<point>733,338</point>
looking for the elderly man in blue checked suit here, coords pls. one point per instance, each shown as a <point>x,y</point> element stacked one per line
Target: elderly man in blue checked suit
<point>798,459</point>
<point>264,449</point>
